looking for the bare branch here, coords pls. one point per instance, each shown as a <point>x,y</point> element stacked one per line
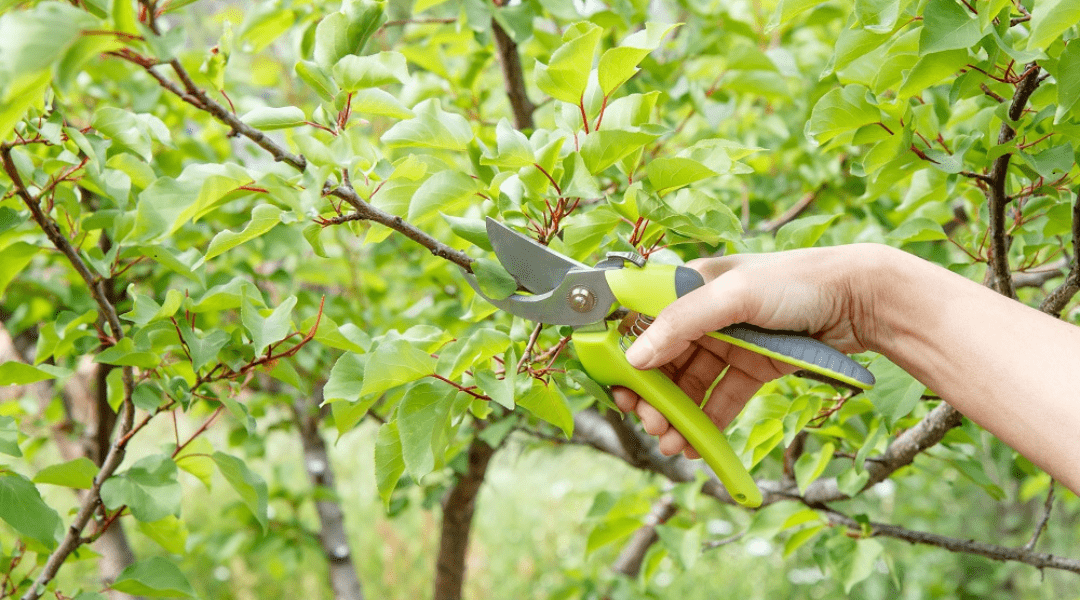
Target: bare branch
<point>992,551</point>
<point>94,283</point>
<point>632,555</point>
<point>1000,276</point>
<point>901,452</point>
<point>1041,526</point>
<point>1056,301</point>
<point>793,213</point>
<point>332,536</point>
<point>514,77</point>
<point>458,507</point>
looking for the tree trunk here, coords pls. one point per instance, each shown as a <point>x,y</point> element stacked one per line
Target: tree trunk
<point>458,508</point>
<point>335,542</point>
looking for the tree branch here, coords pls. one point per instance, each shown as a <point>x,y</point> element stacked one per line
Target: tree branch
<point>793,213</point>
<point>901,452</point>
<point>198,98</point>
<point>458,508</point>
<point>1056,301</point>
<point>92,499</point>
<point>992,551</point>
<point>514,77</point>
<point>632,555</point>
<point>332,537</point>
<point>1000,277</point>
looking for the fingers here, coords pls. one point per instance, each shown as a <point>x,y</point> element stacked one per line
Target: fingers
<point>719,303</point>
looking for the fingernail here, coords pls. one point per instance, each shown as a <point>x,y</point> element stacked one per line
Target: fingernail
<point>640,353</point>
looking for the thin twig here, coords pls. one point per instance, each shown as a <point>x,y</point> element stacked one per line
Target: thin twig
<point>991,551</point>
<point>1049,504</point>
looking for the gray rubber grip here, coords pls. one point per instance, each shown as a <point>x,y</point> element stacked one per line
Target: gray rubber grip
<point>802,351</point>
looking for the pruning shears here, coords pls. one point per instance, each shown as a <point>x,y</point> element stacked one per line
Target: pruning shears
<point>564,291</point>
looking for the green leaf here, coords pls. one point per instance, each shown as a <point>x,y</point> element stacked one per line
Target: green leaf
<point>195,459</point>
<point>948,26</point>
<point>840,111</point>
<point>603,148</point>
<point>347,32</point>
<point>394,363</point>
<point>136,132</point>
<point>355,73</point>
<point>617,65</point>
<point>610,531</point>
<point>495,282</point>
<point>1068,83</point>
<point>249,484</point>
<point>264,217</point>
<point>269,118</point>
<point>17,373</point>
<point>422,414</point>
<point>375,102</point>
<point>473,231</point>
<point>764,436</point>
<point>502,391</point>
<point>144,309</point>
<point>169,203</point>
<point>474,350</point>
<point>810,466</point>
<point>266,330</point>
<point>683,544</point>
<point>667,174</point>
<point>33,40</point>
<point>567,72</point>
<point>896,392</point>
<point>203,349</point>
<point>431,127</point>
<point>919,229</point>
<point>800,537</point>
<point>389,463</point>
<point>78,473</point>
<point>931,70</point>
<point>156,577</point>
<point>21,507</point>
<point>547,402</point>
<point>1050,19</point>
<point>170,533</point>
<point>9,436</point>
<point>148,488</point>
<point>446,191</point>
<point>513,148</point>
<point>126,353</point>
<point>786,10</point>
<point>1052,161</point>
<point>16,257</point>
<point>804,232</point>
<point>878,16</point>
<point>858,565</point>
<point>317,79</point>
<point>346,378</point>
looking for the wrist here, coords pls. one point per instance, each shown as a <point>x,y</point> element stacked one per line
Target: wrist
<point>877,283</point>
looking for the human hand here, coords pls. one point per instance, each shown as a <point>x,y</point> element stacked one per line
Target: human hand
<point>819,291</point>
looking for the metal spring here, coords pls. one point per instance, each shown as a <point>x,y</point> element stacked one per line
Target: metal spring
<point>637,327</point>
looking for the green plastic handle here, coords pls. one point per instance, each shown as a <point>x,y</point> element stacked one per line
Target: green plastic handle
<point>604,361</point>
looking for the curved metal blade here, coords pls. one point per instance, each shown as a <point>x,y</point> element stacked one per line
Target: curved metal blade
<point>537,268</point>
<point>554,307</point>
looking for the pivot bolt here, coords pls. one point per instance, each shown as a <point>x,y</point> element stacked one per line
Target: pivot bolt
<point>581,299</point>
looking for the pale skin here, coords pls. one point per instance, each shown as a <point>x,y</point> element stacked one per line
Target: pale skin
<point>1006,366</point>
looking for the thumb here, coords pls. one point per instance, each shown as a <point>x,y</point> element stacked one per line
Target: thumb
<point>715,305</point>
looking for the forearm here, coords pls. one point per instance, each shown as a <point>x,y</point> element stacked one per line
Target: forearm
<point>1008,367</point>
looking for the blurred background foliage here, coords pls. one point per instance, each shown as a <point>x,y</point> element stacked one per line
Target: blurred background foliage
<point>812,124</point>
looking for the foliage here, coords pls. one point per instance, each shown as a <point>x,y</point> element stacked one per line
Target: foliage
<point>212,212</point>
